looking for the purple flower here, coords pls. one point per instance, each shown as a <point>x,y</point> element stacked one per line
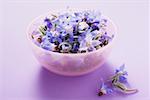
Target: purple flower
<point>104,20</point>
<point>105,89</point>
<point>53,39</point>
<point>91,48</point>
<point>96,43</point>
<point>76,14</point>
<point>49,25</point>
<point>48,22</point>
<point>94,27</point>
<point>122,79</point>
<point>59,40</point>
<point>121,69</point>
<point>75,47</point>
<point>48,35</point>
<point>46,44</point>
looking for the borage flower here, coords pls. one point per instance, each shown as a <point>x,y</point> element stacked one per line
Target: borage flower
<point>105,90</point>
<point>48,23</point>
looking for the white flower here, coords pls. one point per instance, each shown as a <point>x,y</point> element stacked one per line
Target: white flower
<point>82,27</point>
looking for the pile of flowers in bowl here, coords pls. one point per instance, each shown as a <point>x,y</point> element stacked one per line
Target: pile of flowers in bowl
<point>76,32</point>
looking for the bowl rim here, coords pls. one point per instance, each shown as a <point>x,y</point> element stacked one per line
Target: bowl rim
<point>68,54</point>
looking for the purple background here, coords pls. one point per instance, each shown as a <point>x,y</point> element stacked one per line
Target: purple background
<point>22,78</point>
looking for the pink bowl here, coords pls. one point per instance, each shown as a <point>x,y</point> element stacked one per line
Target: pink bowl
<point>70,64</point>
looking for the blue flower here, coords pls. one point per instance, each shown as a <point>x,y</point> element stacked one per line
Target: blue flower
<point>94,27</point>
<point>71,39</point>
<point>48,35</point>
<point>105,89</point>
<point>75,47</point>
<point>82,43</point>
<point>122,79</point>
<point>91,49</point>
<point>96,43</point>
<point>49,25</point>
<point>76,14</point>
<point>90,16</point>
<point>48,22</point>
<point>121,68</point>
<point>109,90</point>
<point>46,44</point>
<point>59,40</point>
<point>53,39</point>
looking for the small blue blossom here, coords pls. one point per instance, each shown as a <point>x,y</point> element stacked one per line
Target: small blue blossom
<point>53,39</point>
<point>48,23</point>
<point>48,35</point>
<point>91,48</point>
<point>121,69</point>
<point>109,91</point>
<point>122,79</point>
<point>46,45</point>
<point>59,40</point>
<point>82,43</point>
<point>94,27</point>
<point>105,89</point>
<point>76,14</point>
<point>46,20</point>
<point>96,43</point>
<point>75,47</point>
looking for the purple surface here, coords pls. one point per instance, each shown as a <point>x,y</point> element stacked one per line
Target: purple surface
<point>22,78</point>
